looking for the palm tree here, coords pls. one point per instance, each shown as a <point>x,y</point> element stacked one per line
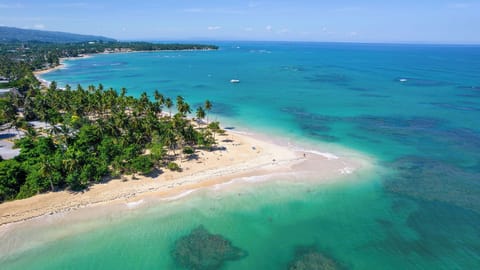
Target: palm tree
<point>169,104</point>
<point>46,171</point>
<point>159,97</point>
<point>143,103</point>
<point>200,113</point>
<point>184,108</point>
<point>215,128</point>
<point>160,100</point>
<point>180,102</point>
<point>208,107</point>
<point>170,139</point>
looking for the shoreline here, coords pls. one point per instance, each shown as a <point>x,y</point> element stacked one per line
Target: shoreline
<point>46,83</point>
<point>243,156</point>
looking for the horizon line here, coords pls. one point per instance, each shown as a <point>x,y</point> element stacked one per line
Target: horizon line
<point>300,41</point>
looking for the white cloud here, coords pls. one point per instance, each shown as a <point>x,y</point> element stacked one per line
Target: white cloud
<point>248,29</point>
<point>39,26</point>
<point>213,28</point>
<point>353,34</point>
<point>268,28</point>
<point>283,31</point>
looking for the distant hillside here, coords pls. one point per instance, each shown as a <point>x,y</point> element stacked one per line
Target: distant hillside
<point>9,34</point>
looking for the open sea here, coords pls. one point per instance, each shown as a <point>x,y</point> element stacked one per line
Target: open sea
<point>414,108</point>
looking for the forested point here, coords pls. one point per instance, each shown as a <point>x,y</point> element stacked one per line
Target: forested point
<point>89,135</point>
<point>41,55</point>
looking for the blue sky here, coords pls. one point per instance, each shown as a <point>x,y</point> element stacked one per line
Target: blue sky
<point>424,21</point>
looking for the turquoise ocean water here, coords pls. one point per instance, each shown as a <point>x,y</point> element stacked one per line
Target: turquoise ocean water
<point>414,108</point>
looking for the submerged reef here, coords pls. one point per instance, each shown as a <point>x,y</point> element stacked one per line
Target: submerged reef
<point>434,180</point>
<point>202,250</point>
<point>308,258</point>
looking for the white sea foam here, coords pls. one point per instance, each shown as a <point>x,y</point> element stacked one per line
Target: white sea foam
<point>257,178</point>
<point>252,179</point>
<point>326,155</point>
<point>179,196</point>
<point>132,205</point>
<point>346,170</point>
<point>248,179</point>
<point>221,185</point>
<point>240,132</point>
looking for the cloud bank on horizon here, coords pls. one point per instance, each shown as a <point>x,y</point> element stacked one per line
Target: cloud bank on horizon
<point>426,21</point>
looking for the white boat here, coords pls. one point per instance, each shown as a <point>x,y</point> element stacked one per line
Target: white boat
<point>234,81</point>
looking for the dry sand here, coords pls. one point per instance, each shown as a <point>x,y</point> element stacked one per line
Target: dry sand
<point>243,155</point>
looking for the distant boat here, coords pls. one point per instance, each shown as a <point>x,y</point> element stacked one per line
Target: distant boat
<point>234,81</point>
<point>403,80</point>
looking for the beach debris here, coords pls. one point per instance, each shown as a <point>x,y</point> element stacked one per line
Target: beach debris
<point>307,258</point>
<point>202,250</point>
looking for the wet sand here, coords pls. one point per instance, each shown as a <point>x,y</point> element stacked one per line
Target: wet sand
<point>240,155</point>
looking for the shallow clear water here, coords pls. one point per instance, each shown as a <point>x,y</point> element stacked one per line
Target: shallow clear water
<point>416,109</point>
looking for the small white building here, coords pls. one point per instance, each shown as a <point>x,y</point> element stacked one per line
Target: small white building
<point>5,91</point>
<point>4,79</point>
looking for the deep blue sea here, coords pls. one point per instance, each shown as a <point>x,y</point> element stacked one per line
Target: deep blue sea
<point>414,108</point>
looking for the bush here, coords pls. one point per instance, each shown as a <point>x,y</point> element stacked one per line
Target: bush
<point>188,150</point>
<point>173,166</point>
<point>142,164</point>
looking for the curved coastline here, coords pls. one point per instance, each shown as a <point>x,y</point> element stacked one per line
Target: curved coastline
<point>247,161</point>
<point>248,158</point>
<point>38,74</point>
<point>246,155</point>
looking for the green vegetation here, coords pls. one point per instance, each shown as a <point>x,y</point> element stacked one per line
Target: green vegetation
<point>187,150</point>
<point>38,55</point>
<point>89,134</point>
<point>173,166</point>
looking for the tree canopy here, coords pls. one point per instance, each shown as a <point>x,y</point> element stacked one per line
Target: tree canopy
<point>92,134</point>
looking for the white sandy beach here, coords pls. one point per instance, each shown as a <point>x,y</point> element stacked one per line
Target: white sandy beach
<point>243,156</point>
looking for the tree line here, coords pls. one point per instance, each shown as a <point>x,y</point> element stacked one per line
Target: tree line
<point>89,134</point>
<point>94,133</point>
<point>40,55</point>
